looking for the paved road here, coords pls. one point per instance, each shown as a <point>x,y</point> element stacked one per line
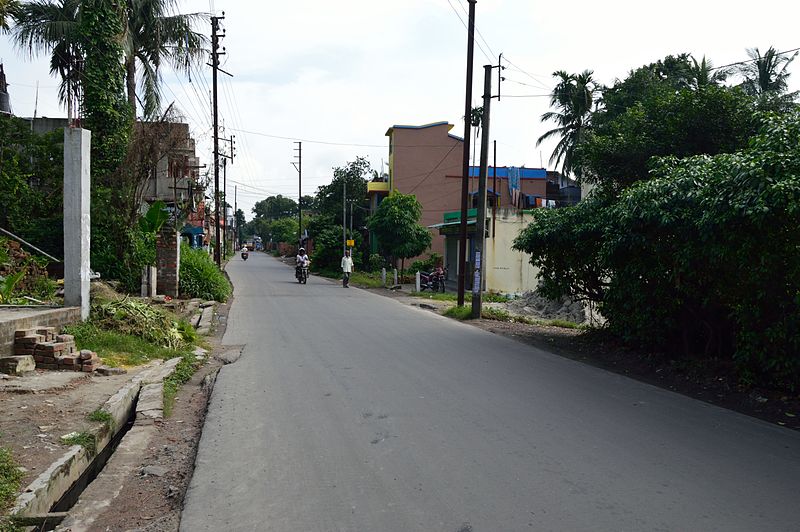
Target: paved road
<point>349,411</point>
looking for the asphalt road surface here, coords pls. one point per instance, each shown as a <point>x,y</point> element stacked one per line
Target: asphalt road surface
<point>349,411</point>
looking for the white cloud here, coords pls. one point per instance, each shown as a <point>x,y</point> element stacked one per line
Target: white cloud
<point>343,72</point>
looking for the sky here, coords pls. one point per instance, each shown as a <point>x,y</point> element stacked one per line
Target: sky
<point>337,75</point>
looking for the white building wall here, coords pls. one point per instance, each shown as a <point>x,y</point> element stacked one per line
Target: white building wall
<point>508,271</point>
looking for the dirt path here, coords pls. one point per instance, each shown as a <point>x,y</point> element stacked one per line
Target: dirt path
<point>38,410</point>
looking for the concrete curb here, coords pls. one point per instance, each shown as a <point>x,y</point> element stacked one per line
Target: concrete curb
<point>41,494</point>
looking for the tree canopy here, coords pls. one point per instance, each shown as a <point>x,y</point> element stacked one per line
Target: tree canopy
<point>396,225</point>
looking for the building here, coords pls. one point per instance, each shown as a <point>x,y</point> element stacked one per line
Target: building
<point>427,161</point>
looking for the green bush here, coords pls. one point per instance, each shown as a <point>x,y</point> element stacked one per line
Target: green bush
<point>199,276</point>
<point>426,265</point>
<point>700,260</point>
<point>376,262</point>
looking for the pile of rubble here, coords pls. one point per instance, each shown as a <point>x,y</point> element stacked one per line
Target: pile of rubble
<point>47,349</point>
<point>532,304</point>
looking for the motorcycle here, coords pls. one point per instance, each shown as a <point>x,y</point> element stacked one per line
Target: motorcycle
<point>301,274</point>
<point>433,281</point>
<point>245,254</point>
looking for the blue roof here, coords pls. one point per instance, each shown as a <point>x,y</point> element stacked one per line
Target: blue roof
<point>502,171</point>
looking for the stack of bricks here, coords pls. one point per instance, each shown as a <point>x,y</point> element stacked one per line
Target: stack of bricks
<point>54,351</point>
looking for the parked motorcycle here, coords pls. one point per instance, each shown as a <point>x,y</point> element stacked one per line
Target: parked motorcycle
<point>433,281</point>
<point>301,274</point>
<point>245,254</point>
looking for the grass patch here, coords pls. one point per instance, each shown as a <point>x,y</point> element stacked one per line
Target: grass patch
<point>183,372</point>
<point>488,297</point>
<point>116,348</point>
<point>498,314</point>
<point>459,313</point>
<point>10,479</point>
<point>84,439</point>
<point>365,280</point>
<point>101,416</point>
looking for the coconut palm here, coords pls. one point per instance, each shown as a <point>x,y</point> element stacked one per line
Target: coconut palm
<point>766,74</point>
<point>44,26</point>
<point>703,74</point>
<point>152,35</point>
<point>573,98</point>
<point>7,7</point>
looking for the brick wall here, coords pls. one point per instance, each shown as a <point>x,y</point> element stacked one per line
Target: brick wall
<point>167,261</point>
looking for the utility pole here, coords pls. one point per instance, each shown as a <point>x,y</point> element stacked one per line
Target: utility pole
<point>235,216</point>
<point>215,53</point>
<point>462,249</point>
<point>344,215</point>
<point>480,230</point>
<point>299,167</point>
<point>230,156</point>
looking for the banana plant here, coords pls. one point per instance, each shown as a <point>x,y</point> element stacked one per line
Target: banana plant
<point>155,218</point>
<point>7,285</point>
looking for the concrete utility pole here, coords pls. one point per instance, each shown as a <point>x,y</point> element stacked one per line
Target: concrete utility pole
<point>235,216</point>
<point>480,233</point>
<point>344,215</point>
<point>462,249</point>
<point>77,218</point>
<point>299,167</point>
<point>215,53</point>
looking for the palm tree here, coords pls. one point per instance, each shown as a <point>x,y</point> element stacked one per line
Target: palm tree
<point>703,74</point>
<point>44,26</point>
<point>573,99</point>
<point>7,7</point>
<point>766,74</point>
<point>152,35</point>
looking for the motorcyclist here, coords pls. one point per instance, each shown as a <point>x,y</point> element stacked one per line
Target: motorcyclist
<point>301,260</point>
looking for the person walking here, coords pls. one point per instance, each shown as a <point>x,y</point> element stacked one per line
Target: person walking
<point>347,268</point>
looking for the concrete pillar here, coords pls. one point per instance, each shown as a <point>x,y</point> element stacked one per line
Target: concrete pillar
<point>168,260</point>
<point>77,235</point>
<point>418,281</point>
<point>383,276</point>
<point>395,276</point>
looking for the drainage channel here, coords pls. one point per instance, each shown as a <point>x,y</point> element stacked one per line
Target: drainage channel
<point>71,496</point>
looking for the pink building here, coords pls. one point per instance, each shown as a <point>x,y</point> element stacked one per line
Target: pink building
<point>427,161</point>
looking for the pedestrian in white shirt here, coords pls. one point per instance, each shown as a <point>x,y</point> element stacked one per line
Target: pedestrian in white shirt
<point>347,268</point>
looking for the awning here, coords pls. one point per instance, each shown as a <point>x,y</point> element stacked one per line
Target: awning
<point>449,224</point>
<point>453,228</point>
<point>192,230</point>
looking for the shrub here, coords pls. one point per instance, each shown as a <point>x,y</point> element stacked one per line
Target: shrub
<point>376,262</point>
<point>700,260</point>
<point>199,276</point>
<point>426,265</point>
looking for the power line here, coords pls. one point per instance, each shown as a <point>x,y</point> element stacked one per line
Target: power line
<point>752,60</point>
<point>467,27</point>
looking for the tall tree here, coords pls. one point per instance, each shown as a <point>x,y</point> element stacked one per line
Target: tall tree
<point>151,35</point>
<point>703,74</point>
<point>275,207</point>
<point>573,99</point>
<point>46,26</point>
<point>154,34</point>
<point>767,73</point>
<point>396,225</point>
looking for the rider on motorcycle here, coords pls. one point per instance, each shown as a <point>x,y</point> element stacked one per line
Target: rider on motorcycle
<point>301,260</point>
